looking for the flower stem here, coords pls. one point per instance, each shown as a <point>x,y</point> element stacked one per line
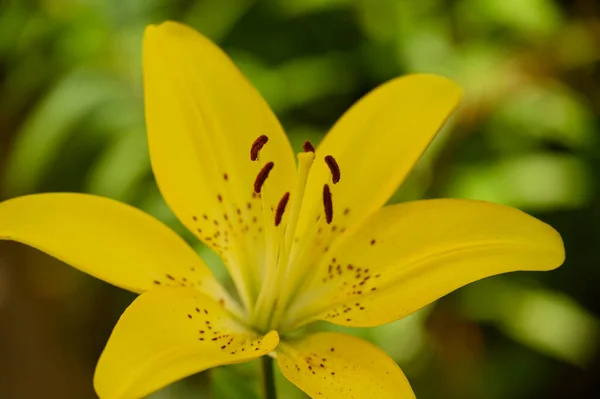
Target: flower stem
<point>268,377</point>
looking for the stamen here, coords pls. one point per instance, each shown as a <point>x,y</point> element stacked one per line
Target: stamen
<point>257,146</point>
<point>308,146</point>
<point>327,203</point>
<point>262,176</point>
<point>281,208</point>
<point>334,168</point>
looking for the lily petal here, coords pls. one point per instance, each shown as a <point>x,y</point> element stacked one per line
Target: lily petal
<point>203,117</point>
<point>112,241</point>
<point>334,365</point>
<point>375,144</point>
<point>408,255</point>
<point>170,333</point>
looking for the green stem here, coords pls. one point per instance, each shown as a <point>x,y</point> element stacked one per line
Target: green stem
<point>268,377</point>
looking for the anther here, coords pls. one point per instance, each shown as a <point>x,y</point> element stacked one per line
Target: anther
<point>257,146</point>
<point>327,204</point>
<point>262,176</point>
<point>333,168</point>
<point>308,146</point>
<point>281,208</point>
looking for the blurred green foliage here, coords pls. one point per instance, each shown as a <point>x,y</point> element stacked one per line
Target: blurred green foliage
<point>71,119</point>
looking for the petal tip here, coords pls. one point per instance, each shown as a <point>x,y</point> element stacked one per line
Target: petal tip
<point>444,82</point>
<point>171,28</point>
<point>560,250</point>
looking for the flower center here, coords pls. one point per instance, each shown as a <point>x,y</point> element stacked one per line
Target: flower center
<point>280,234</point>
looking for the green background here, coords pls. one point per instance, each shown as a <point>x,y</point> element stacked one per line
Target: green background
<point>71,119</point>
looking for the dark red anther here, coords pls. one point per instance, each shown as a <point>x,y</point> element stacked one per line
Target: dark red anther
<point>262,176</point>
<point>281,208</point>
<point>257,146</point>
<point>308,146</point>
<point>333,168</point>
<point>327,204</point>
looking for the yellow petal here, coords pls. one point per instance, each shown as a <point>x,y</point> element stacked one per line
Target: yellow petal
<point>170,333</point>
<point>107,239</point>
<point>407,256</point>
<point>375,144</point>
<point>203,117</point>
<point>333,365</point>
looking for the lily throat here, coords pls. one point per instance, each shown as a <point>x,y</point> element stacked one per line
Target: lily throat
<point>285,250</point>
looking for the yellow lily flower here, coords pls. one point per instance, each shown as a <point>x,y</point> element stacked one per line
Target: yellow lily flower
<point>302,242</point>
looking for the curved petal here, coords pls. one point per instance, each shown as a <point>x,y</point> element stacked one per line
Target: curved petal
<point>167,334</point>
<point>203,117</point>
<point>107,239</point>
<point>375,144</point>
<point>333,365</point>
<point>407,256</point>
